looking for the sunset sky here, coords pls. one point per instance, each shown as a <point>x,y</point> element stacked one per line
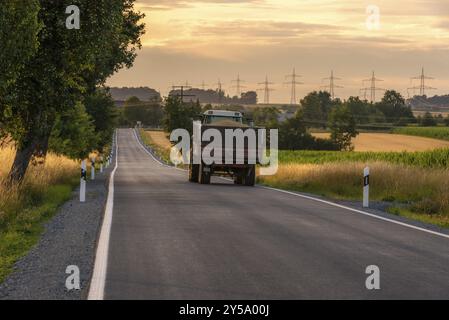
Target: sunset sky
<point>210,39</point>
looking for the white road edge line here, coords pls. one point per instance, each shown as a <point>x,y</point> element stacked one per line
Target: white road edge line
<point>326,202</point>
<point>97,284</point>
<point>357,211</point>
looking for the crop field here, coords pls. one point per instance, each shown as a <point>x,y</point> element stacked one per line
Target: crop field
<point>441,133</point>
<point>429,159</point>
<point>385,142</point>
<point>24,208</point>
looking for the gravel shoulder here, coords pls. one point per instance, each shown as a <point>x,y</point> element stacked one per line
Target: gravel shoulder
<point>69,239</point>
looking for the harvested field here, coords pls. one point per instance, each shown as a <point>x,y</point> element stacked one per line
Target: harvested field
<point>392,142</point>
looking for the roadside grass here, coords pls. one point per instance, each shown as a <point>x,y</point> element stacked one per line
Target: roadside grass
<point>417,193</point>
<point>158,141</point>
<point>441,133</point>
<point>24,209</point>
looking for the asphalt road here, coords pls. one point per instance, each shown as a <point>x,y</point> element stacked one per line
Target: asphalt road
<point>171,239</point>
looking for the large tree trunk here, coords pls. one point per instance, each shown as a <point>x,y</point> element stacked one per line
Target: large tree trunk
<point>22,160</point>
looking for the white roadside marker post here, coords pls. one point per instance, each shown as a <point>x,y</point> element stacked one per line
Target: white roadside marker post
<point>101,164</point>
<point>366,188</point>
<point>83,181</point>
<point>92,169</point>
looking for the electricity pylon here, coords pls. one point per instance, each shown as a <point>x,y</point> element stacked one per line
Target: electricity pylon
<point>422,86</point>
<point>293,84</point>
<point>266,89</point>
<point>332,84</point>
<point>182,88</point>
<point>372,87</point>
<point>219,90</point>
<point>203,85</point>
<point>238,85</point>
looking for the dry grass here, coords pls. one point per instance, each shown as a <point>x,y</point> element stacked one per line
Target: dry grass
<point>385,142</point>
<point>24,208</point>
<point>56,170</point>
<point>159,138</point>
<point>419,192</point>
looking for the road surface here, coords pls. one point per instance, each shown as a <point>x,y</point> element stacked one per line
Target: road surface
<point>171,239</point>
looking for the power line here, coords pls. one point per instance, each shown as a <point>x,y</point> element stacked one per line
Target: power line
<point>422,86</point>
<point>372,88</point>
<point>293,84</point>
<point>332,84</point>
<point>266,90</point>
<point>238,85</point>
<point>182,95</point>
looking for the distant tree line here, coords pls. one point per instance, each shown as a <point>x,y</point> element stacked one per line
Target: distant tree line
<point>142,93</point>
<point>216,96</point>
<point>343,119</point>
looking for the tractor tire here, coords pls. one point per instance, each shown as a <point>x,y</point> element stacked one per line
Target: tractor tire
<point>250,176</point>
<point>204,176</point>
<point>194,171</point>
<point>238,177</point>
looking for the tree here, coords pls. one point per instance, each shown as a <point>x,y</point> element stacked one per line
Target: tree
<point>74,133</point>
<point>446,121</point>
<point>293,135</point>
<point>316,107</point>
<point>179,115</point>
<point>103,112</point>
<point>68,66</point>
<point>266,117</point>
<point>19,27</point>
<point>343,127</point>
<point>393,107</point>
<point>428,120</point>
<point>132,101</point>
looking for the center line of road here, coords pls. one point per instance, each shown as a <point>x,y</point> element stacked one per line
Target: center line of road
<point>97,284</point>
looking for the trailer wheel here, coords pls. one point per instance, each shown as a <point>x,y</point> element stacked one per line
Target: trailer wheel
<point>194,171</point>
<point>250,176</point>
<point>238,176</point>
<point>204,174</point>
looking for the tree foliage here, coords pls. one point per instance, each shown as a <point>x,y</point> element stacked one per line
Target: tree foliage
<point>66,69</point>
<point>19,27</point>
<point>180,115</point>
<point>343,127</point>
